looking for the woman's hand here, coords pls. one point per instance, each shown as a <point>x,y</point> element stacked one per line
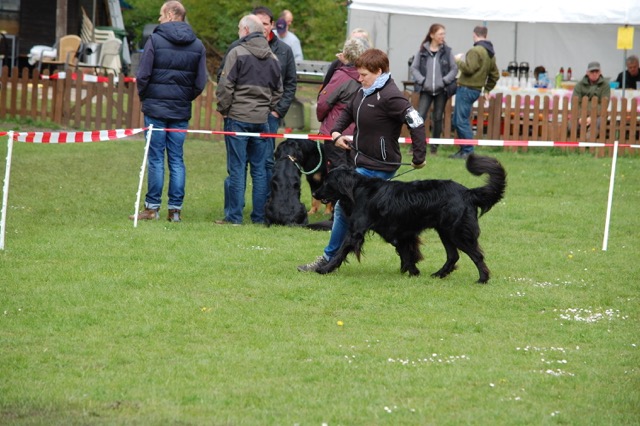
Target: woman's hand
<point>340,141</point>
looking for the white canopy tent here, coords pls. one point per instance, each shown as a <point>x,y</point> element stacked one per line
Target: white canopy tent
<point>542,32</point>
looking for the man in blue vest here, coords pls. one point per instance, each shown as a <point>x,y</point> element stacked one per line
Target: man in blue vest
<point>172,73</point>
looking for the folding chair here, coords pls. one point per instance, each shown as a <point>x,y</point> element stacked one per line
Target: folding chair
<point>68,48</point>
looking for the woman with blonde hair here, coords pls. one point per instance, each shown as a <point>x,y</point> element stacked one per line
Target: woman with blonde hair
<point>336,95</point>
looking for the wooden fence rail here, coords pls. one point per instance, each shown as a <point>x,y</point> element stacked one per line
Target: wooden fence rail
<point>543,118</point>
<point>115,104</point>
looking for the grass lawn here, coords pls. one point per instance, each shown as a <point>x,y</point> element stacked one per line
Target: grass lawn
<point>195,323</point>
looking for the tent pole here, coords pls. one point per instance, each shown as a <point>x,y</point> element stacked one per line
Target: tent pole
<point>624,72</point>
<point>515,44</point>
<point>93,21</point>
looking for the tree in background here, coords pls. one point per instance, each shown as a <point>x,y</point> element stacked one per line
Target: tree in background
<point>319,24</point>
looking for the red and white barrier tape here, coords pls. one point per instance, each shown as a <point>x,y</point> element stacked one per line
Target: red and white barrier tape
<point>432,141</point>
<point>103,135</point>
<point>73,137</point>
<point>88,78</point>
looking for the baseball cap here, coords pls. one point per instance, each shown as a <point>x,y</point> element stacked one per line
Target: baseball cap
<point>281,25</point>
<point>593,66</point>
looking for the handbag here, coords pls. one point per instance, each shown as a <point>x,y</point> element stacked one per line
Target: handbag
<point>450,89</point>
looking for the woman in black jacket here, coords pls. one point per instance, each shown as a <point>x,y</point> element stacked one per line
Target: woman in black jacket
<point>378,110</point>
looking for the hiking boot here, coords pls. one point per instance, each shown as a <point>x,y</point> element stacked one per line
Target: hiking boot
<point>313,266</point>
<point>174,215</point>
<point>146,214</point>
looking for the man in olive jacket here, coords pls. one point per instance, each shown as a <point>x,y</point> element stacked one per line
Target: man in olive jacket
<point>287,71</point>
<point>249,89</point>
<point>478,71</point>
<point>592,85</point>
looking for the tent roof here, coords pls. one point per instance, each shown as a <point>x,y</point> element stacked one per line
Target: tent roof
<point>588,11</point>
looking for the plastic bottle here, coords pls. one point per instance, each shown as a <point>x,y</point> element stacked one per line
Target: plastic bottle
<point>558,82</point>
<point>562,72</point>
<point>569,73</point>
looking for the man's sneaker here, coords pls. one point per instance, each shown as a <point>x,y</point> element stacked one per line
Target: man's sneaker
<point>313,266</point>
<point>146,214</point>
<point>174,215</point>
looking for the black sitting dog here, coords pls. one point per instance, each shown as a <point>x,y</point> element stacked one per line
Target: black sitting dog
<point>400,211</point>
<point>292,158</point>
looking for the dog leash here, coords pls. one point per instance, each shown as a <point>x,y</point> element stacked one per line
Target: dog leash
<point>403,173</point>
<point>385,162</point>
<point>315,169</point>
<point>375,159</point>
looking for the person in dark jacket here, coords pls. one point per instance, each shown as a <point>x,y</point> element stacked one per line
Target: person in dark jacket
<point>379,111</point>
<point>287,71</point>
<point>172,73</point>
<point>631,76</point>
<point>250,87</point>
<point>289,79</point>
<point>434,70</point>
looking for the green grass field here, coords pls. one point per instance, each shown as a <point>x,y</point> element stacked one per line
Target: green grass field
<point>195,323</point>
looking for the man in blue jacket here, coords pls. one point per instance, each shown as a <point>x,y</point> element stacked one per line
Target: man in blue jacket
<point>172,73</point>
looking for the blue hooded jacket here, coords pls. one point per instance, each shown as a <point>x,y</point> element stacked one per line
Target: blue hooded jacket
<point>172,71</point>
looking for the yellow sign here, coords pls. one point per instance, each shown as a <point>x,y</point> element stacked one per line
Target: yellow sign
<point>625,38</point>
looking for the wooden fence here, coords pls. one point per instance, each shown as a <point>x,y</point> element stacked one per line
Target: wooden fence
<point>74,103</point>
<point>542,118</point>
<point>115,104</point>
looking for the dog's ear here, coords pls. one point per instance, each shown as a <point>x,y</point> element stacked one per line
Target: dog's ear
<point>348,183</point>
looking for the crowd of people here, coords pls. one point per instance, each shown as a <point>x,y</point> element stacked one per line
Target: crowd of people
<point>257,83</point>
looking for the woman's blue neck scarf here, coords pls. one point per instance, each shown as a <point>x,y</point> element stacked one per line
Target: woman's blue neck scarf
<point>380,81</point>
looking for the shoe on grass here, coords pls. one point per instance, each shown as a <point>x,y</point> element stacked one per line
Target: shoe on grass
<point>174,215</point>
<point>460,155</point>
<point>146,214</point>
<point>225,222</point>
<point>313,266</point>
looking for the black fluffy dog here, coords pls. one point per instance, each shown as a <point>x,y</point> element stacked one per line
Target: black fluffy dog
<point>291,158</point>
<point>400,211</point>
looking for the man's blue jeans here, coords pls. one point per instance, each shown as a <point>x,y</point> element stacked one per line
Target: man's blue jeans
<point>172,143</point>
<point>243,150</point>
<point>274,124</point>
<point>341,222</point>
<point>465,97</point>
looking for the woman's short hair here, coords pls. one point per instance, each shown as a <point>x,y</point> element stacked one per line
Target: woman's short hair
<point>373,60</point>
<point>353,48</point>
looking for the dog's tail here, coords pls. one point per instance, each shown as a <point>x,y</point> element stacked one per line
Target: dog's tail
<point>485,197</point>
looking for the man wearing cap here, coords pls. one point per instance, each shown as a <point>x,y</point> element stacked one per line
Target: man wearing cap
<point>289,38</point>
<point>592,85</point>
